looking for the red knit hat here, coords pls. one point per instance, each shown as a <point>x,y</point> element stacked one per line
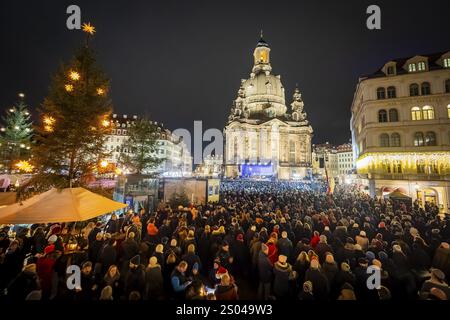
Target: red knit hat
<point>220,272</point>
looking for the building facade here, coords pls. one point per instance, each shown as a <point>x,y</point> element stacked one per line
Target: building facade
<point>177,159</point>
<point>346,165</point>
<point>325,160</point>
<point>401,128</point>
<point>262,137</point>
<point>212,167</point>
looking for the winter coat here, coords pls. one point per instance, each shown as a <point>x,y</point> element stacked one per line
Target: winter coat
<point>226,292</point>
<point>273,252</point>
<point>94,250</point>
<point>362,241</point>
<point>321,287</point>
<point>321,249</point>
<point>441,260</point>
<point>130,248</point>
<point>347,294</point>
<point>154,283</point>
<point>23,284</point>
<point>285,248</point>
<point>45,269</point>
<point>281,280</point>
<point>108,256</point>
<point>135,280</point>
<point>264,268</point>
<point>241,256</point>
<point>330,270</point>
<point>191,259</point>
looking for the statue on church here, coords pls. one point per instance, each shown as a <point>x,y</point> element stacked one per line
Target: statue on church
<point>297,106</point>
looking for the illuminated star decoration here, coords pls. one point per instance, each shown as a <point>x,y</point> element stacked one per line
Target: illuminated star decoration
<point>68,87</point>
<point>88,28</point>
<point>100,91</point>
<point>75,76</point>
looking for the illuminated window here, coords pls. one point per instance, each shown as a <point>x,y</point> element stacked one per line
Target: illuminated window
<point>391,93</point>
<point>426,88</point>
<point>263,56</point>
<point>382,116</point>
<point>430,138</point>
<point>418,139</point>
<point>395,140</point>
<point>413,89</point>
<point>393,115</point>
<point>448,111</point>
<point>421,66</point>
<point>381,93</point>
<point>416,113</point>
<point>428,113</point>
<point>412,67</point>
<point>447,63</point>
<point>447,86</point>
<point>291,151</point>
<point>384,140</point>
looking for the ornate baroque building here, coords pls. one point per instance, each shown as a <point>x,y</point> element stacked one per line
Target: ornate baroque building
<point>401,128</point>
<point>264,138</point>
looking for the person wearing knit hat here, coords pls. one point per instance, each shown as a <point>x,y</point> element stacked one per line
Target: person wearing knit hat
<point>396,248</point>
<point>282,260</point>
<point>191,248</point>
<point>173,242</point>
<point>153,261</point>
<point>135,261</point>
<point>314,263</point>
<point>377,263</point>
<point>52,239</point>
<point>370,256</point>
<point>307,293</point>
<point>159,248</point>
<point>329,258</point>
<point>347,292</point>
<point>345,267</point>
<point>240,237</point>
<point>437,281</point>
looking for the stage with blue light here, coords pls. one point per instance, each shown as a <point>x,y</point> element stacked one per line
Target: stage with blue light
<point>256,170</point>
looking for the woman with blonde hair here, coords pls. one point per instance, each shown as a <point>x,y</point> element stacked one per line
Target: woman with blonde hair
<point>301,265</point>
<point>107,293</point>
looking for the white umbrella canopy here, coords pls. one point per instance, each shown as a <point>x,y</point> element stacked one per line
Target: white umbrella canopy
<point>63,205</point>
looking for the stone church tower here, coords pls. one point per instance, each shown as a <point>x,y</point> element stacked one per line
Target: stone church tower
<point>263,138</point>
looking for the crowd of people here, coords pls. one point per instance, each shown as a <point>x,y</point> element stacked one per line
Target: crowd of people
<point>262,240</point>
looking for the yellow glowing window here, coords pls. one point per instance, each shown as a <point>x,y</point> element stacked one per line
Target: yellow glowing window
<point>448,111</point>
<point>447,62</point>
<point>263,56</point>
<point>416,113</point>
<point>428,113</point>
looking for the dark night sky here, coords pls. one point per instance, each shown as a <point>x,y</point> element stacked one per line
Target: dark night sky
<point>180,61</point>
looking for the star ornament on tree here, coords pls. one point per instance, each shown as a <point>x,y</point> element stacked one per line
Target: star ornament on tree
<point>88,28</point>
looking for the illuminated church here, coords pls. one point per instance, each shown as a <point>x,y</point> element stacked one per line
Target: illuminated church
<point>263,137</point>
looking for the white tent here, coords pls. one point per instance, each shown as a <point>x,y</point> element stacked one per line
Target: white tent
<point>63,205</point>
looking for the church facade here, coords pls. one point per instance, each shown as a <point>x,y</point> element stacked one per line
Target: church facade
<point>263,137</point>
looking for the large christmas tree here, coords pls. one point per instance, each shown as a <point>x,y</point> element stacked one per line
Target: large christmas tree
<point>71,134</point>
<point>15,135</point>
